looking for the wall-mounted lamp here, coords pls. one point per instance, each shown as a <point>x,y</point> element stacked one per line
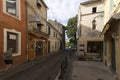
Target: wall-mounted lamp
<point>115,35</point>
<point>94,24</point>
<point>94,21</point>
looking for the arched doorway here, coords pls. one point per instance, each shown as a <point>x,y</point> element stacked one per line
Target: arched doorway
<point>39,48</point>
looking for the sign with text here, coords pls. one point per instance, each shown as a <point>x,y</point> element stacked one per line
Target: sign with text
<point>34,18</point>
<point>13,37</point>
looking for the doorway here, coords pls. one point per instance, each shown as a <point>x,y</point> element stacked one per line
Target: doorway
<point>113,63</point>
<point>94,46</point>
<point>48,46</point>
<point>39,48</point>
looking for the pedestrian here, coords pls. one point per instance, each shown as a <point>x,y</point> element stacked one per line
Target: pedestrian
<point>8,58</point>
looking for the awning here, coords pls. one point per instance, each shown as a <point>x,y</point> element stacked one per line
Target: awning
<point>115,16</point>
<point>105,29</point>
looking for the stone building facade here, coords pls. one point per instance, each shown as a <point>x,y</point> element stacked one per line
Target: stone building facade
<point>37,28</point>
<point>87,31</point>
<point>56,36</point>
<point>111,33</point>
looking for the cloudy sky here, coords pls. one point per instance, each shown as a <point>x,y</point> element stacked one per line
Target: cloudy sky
<point>62,10</point>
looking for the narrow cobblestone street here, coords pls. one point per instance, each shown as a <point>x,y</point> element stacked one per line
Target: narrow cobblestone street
<point>59,39</point>
<point>76,69</point>
<point>46,70</point>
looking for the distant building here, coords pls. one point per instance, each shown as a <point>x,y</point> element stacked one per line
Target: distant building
<point>56,39</point>
<point>111,33</point>
<point>13,30</point>
<point>37,28</point>
<point>90,24</point>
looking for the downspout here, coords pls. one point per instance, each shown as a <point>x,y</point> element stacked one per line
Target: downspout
<point>27,30</point>
<point>80,31</point>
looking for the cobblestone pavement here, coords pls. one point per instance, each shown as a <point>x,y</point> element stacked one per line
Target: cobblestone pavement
<point>90,70</point>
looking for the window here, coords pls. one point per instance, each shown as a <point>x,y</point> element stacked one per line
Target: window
<point>55,45</point>
<point>12,7</point>
<point>94,9</point>
<point>49,46</point>
<point>39,26</point>
<point>54,34</point>
<point>82,45</point>
<point>12,39</point>
<point>38,4</point>
<point>49,30</point>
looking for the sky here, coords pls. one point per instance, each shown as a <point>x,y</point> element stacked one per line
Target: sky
<point>62,10</point>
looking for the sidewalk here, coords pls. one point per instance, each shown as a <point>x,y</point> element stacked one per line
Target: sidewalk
<point>89,70</point>
<point>26,65</point>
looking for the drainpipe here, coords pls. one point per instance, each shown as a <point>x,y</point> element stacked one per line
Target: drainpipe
<point>27,30</point>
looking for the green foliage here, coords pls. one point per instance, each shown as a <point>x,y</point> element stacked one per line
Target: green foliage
<point>71,30</point>
<point>68,44</point>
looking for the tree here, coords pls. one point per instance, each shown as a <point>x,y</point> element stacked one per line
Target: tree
<point>68,44</point>
<point>71,30</point>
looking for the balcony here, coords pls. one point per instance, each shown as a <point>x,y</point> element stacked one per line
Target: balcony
<point>39,34</point>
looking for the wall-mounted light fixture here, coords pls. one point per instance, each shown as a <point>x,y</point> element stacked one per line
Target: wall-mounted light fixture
<point>94,21</point>
<point>94,24</point>
<point>115,36</point>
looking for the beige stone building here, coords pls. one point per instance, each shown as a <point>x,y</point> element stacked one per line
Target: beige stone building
<point>88,40</point>
<point>37,28</point>
<point>56,39</point>
<point>111,33</point>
